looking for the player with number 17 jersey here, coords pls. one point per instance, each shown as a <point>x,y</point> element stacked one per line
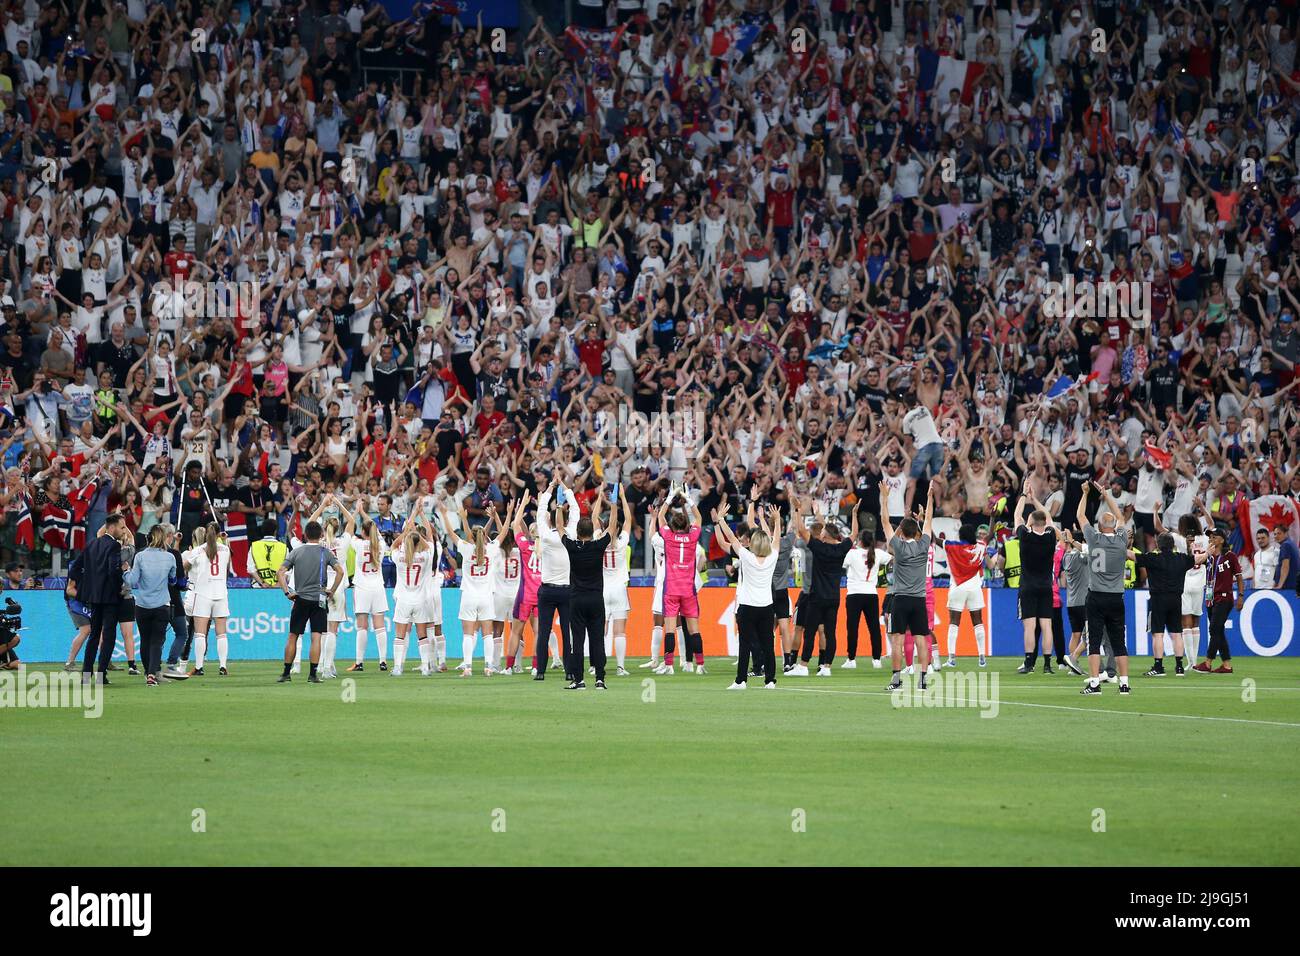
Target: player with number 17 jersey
<point>412,580</point>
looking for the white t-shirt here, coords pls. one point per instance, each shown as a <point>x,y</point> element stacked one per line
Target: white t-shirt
<point>919,423</point>
<point>1266,562</point>
<point>896,503</point>
<point>860,579</point>
<point>754,583</point>
<point>1150,490</point>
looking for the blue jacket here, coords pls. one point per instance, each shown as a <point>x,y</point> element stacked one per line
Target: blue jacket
<point>154,569</point>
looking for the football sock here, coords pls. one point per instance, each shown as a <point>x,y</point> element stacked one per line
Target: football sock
<point>656,642</point>
<point>381,641</point>
<point>399,651</point>
<point>953,630</point>
<point>313,670</point>
<point>620,648</point>
<point>286,669</point>
<point>467,650</point>
<point>440,648</point>
<point>979,639</point>
<point>223,650</point>
<point>1178,663</point>
<point>363,637</point>
<point>425,645</point>
<point>609,639</point>
<point>498,649</point>
<point>200,651</point>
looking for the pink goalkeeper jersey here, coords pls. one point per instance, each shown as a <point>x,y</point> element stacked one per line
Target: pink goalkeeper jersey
<point>679,561</point>
<point>530,570</point>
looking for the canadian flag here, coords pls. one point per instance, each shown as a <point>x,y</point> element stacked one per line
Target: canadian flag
<point>1267,512</point>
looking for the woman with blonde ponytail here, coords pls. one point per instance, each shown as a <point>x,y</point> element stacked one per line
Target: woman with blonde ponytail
<point>413,558</point>
<point>436,643</point>
<point>505,591</point>
<point>369,599</point>
<point>208,566</point>
<point>479,558</point>
<point>337,542</point>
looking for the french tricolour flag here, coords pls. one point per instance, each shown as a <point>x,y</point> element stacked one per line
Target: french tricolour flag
<point>939,74</point>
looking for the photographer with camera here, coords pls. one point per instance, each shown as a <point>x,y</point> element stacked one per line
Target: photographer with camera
<point>11,622</point>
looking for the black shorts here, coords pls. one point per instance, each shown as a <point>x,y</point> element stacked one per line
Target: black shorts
<point>908,613</point>
<point>308,617</point>
<point>1166,613</point>
<point>780,604</point>
<point>1078,618</point>
<point>1144,521</point>
<point>126,611</point>
<point>801,609</point>
<point>1035,603</point>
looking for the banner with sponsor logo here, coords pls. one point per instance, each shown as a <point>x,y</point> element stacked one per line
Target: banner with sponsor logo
<point>259,624</point>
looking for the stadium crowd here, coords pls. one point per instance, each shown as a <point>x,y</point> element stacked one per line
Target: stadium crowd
<point>812,244</point>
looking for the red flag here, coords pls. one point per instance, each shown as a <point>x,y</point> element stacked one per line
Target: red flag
<point>721,42</point>
<point>1159,457</point>
<point>715,547</point>
<point>1266,512</point>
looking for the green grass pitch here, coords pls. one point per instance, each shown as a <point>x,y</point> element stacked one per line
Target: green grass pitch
<point>502,770</point>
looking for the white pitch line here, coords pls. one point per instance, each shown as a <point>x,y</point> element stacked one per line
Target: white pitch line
<point>1082,710</point>
<point>1143,684</point>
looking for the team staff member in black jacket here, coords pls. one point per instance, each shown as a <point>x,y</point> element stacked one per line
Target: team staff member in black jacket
<point>587,591</point>
<point>1166,574</point>
<point>1037,558</point>
<point>101,588</point>
<point>828,551</point>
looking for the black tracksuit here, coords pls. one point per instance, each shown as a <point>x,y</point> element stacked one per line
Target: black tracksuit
<point>586,604</point>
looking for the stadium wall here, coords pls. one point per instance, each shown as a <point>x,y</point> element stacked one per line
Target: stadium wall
<point>259,623</point>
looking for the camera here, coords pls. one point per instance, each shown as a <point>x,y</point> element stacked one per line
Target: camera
<point>11,620</point>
